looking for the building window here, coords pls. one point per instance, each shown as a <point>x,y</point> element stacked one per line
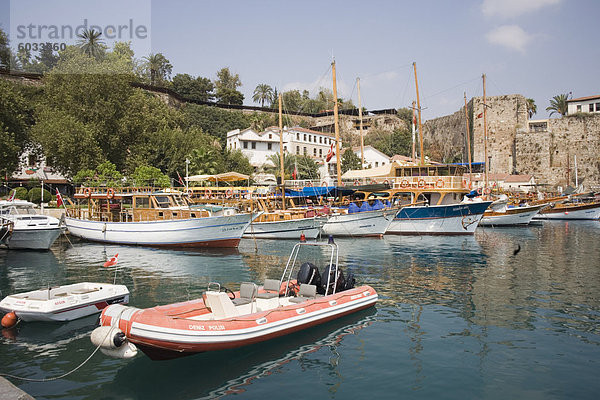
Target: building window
<point>234,145</point>
<point>297,136</point>
<point>245,145</point>
<point>597,107</point>
<point>320,139</point>
<point>579,108</point>
<point>297,149</point>
<point>591,107</point>
<point>320,152</point>
<point>304,151</point>
<point>376,164</point>
<point>305,137</point>
<point>253,145</point>
<point>269,146</point>
<point>270,136</point>
<point>314,152</point>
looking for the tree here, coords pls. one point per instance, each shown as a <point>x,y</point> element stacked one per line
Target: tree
<point>193,88</point>
<point>307,167</point>
<point>236,161</point>
<point>158,68</point>
<point>350,161</point>
<point>104,174</point>
<point>145,175</point>
<point>397,142</point>
<point>227,85</point>
<point>91,44</point>
<point>531,107</point>
<point>4,51</point>
<point>289,161</point>
<point>262,93</point>
<point>558,104</point>
<point>16,118</point>
<point>206,160</point>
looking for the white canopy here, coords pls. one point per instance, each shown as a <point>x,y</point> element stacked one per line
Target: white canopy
<point>224,177</point>
<point>382,171</point>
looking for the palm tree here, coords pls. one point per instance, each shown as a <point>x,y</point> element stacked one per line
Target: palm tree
<point>558,104</point>
<point>205,161</point>
<point>262,93</point>
<point>288,164</point>
<point>160,68</point>
<point>531,107</point>
<point>90,43</point>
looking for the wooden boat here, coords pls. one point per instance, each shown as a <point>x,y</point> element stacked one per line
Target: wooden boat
<point>22,227</point>
<point>505,215</point>
<point>253,314</point>
<point>141,216</point>
<point>575,210</point>
<point>359,223</point>
<point>64,303</point>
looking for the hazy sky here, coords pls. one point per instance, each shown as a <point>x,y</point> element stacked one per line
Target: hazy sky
<point>537,48</point>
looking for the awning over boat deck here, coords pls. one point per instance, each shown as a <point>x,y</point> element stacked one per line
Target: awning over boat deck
<point>310,191</point>
<point>382,171</point>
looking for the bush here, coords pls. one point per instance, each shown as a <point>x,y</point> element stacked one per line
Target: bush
<point>21,193</point>
<point>35,196</point>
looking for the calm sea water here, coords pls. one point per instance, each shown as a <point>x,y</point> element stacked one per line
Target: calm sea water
<point>458,318</point>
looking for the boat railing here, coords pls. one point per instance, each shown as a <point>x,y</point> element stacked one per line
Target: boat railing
<point>292,260</point>
<point>437,183</point>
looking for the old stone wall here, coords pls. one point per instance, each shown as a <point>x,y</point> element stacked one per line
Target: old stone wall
<point>550,154</point>
<point>445,139</point>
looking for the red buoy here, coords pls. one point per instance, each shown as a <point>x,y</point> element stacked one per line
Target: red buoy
<point>9,320</point>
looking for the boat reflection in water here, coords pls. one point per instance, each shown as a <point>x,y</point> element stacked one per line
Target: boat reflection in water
<point>197,378</point>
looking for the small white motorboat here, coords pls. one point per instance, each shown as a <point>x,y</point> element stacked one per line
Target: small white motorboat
<point>64,303</point>
<point>22,227</point>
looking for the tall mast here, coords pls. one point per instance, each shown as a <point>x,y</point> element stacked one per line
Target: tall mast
<point>414,150</point>
<point>362,143</point>
<point>468,141</point>
<point>419,111</point>
<point>281,154</point>
<point>485,135</point>
<point>336,127</point>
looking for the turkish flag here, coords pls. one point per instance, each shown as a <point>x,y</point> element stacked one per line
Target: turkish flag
<point>330,153</point>
<point>113,261</point>
<point>59,199</point>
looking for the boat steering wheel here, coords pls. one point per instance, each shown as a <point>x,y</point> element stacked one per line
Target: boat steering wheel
<point>228,291</point>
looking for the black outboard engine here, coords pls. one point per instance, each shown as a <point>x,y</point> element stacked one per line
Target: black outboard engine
<point>309,274</point>
<point>330,273</point>
<point>350,281</point>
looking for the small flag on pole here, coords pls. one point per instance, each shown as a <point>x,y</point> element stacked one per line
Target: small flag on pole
<point>59,199</point>
<point>12,195</point>
<point>180,179</point>
<point>330,153</point>
<point>112,261</point>
<point>295,173</point>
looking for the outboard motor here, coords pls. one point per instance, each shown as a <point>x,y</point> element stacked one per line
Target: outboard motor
<point>309,274</point>
<point>330,273</point>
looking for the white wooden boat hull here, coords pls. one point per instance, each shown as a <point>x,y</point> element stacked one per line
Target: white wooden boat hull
<point>287,229</point>
<point>220,231</point>
<point>366,223</point>
<point>512,217</point>
<point>64,304</point>
<point>570,213</point>
<point>455,219</point>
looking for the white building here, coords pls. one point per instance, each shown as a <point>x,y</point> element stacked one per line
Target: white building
<point>258,146</point>
<point>589,104</point>
<point>373,157</point>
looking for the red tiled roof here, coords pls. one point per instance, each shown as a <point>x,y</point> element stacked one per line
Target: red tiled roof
<point>518,178</point>
<point>585,98</point>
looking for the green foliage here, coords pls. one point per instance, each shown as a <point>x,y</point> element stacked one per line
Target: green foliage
<point>262,93</point>
<point>307,167</point>
<point>558,104</point>
<point>15,121</point>
<point>294,101</point>
<point>91,43</point>
<point>206,160</point>
<point>85,177</point>
<point>289,162</point>
<point>236,161</point>
<point>105,174</point>
<point>157,68</point>
<point>350,161</point>
<point>150,176</point>
<point>227,84</point>
<point>4,51</point>
<point>35,195</point>
<point>215,121</point>
<point>390,143</point>
<point>21,193</point>
<point>229,96</point>
<point>193,88</point>
<point>531,107</point>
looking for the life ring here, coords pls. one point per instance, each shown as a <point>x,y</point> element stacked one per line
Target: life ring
<point>470,185</point>
<point>373,182</point>
<point>479,191</point>
<point>87,192</point>
<point>356,182</point>
<point>386,182</point>
<point>421,183</point>
<point>404,183</point>
<point>439,183</point>
<point>309,184</point>
<point>464,182</point>
<point>110,193</point>
<point>487,190</point>
<point>229,193</point>
<point>208,193</point>
<point>190,192</point>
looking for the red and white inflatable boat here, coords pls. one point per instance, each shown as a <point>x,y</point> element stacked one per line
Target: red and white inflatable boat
<point>223,319</point>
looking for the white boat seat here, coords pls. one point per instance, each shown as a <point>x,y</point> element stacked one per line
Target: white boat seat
<point>272,289</point>
<point>248,292</point>
<point>306,292</point>
<point>220,304</point>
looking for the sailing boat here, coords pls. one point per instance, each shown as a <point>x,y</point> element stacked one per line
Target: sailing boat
<point>285,223</point>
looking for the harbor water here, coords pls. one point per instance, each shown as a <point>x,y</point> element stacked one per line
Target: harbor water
<point>509,313</point>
